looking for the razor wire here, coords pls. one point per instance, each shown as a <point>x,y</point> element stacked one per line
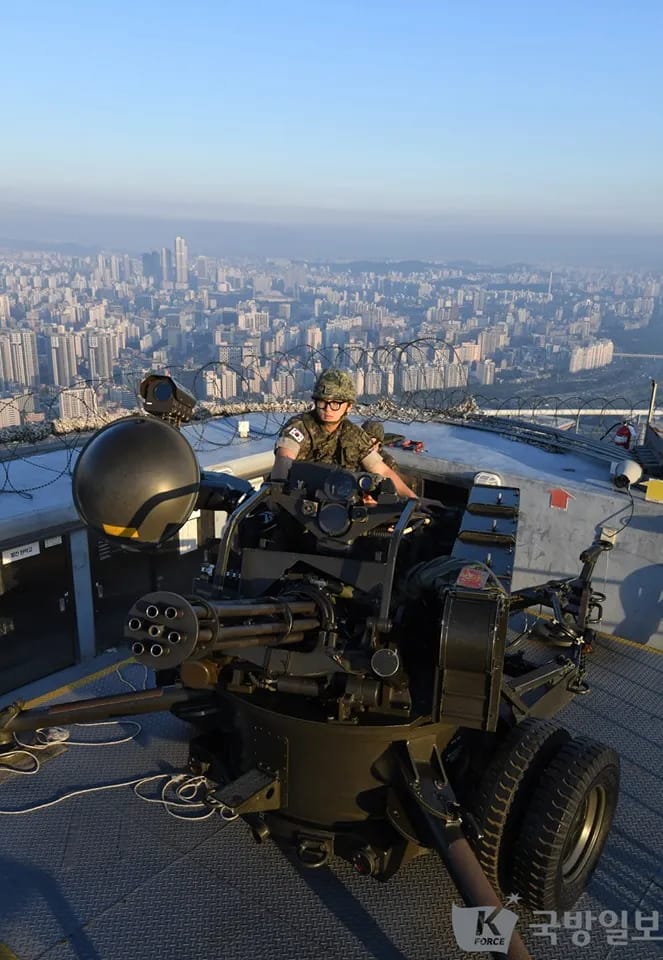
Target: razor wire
<point>419,380</point>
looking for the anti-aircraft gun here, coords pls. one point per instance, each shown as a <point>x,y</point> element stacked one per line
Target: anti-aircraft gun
<point>351,667</point>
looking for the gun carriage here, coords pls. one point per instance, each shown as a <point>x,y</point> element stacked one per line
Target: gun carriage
<point>355,668</point>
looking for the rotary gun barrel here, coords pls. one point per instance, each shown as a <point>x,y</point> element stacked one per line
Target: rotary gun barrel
<point>165,629</point>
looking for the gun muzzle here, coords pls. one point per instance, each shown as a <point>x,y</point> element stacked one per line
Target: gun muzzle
<point>204,628</point>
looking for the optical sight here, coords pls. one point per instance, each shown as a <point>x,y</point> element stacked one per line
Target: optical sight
<point>167,399</point>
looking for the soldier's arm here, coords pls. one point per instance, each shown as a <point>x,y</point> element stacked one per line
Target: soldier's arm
<point>290,445</point>
<point>377,465</point>
<point>283,460</point>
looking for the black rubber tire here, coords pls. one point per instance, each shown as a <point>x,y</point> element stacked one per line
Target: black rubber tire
<point>566,825</point>
<point>504,791</point>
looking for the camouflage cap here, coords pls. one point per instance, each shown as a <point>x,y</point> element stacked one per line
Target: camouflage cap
<point>374,429</point>
<point>334,384</point>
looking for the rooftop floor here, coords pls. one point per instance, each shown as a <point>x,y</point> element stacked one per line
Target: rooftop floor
<point>105,876</point>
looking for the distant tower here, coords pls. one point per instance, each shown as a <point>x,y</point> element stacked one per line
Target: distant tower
<point>181,262</point>
<point>550,286</point>
<point>5,312</point>
<point>166,265</point>
<point>152,266</point>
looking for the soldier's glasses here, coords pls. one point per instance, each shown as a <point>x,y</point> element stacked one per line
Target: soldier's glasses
<point>332,404</point>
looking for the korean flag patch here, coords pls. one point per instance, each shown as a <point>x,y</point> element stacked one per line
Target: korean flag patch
<point>296,434</point>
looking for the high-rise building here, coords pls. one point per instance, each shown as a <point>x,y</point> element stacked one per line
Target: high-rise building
<point>61,358</point>
<point>205,268</point>
<point>102,351</point>
<point>96,313</point>
<point>253,320</point>
<point>229,384</point>
<point>23,358</point>
<point>467,352</point>
<point>166,265</point>
<point>313,337</point>
<point>479,300</point>
<point>373,383</point>
<point>230,353</point>
<point>486,372</point>
<point>79,403</point>
<point>4,309</point>
<point>283,385</point>
<point>455,375</point>
<point>598,353</point>
<point>10,413</point>
<point>152,266</point>
<point>211,385</point>
<point>181,262</point>
<point>6,363</point>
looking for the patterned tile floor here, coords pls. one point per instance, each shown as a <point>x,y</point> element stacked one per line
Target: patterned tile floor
<point>104,876</point>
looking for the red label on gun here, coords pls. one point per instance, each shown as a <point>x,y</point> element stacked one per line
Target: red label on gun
<point>472,577</point>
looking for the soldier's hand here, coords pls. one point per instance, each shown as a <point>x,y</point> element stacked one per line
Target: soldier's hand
<point>430,506</point>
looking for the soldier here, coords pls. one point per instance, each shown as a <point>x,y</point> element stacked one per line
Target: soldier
<point>375,429</point>
<point>325,435</point>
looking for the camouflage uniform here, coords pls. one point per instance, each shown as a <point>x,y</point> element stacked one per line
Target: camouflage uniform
<point>375,429</point>
<point>304,437</point>
<point>348,446</point>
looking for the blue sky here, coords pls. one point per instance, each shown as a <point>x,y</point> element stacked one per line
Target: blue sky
<point>516,114</point>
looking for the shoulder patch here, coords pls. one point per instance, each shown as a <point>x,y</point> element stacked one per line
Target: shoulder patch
<point>296,434</point>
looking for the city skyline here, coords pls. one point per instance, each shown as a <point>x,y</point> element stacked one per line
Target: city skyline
<point>512,120</point>
<point>31,227</point>
<point>75,331</point>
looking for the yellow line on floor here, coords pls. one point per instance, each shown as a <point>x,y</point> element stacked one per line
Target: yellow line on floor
<point>606,636</point>
<point>81,682</point>
<point>630,643</point>
<point>5,953</point>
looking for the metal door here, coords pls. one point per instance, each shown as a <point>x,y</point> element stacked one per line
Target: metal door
<point>119,577</point>
<point>37,615</point>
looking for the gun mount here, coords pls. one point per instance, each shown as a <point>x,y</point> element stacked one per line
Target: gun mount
<point>350,668</point>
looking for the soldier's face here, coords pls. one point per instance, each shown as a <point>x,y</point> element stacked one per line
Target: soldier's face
<point>328,416</point>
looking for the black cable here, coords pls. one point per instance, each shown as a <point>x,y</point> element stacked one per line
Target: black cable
<point>625,523</point>
<point>618,424</point>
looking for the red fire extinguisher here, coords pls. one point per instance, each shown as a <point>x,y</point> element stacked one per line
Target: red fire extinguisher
<point>626,435</point>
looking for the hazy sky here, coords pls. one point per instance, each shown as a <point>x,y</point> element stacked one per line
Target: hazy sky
<point>520,115</point>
